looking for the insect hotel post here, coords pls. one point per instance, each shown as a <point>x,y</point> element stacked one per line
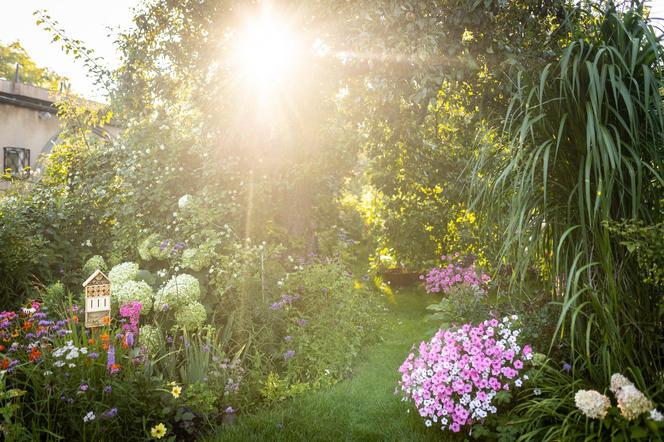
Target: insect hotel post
<point>97,300</point>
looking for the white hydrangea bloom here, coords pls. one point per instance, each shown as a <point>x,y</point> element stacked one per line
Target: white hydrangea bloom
<point>592,403</point>
<point>122,273</point>
<point>191,259</point>
<point>184,201</point>
<point>153,247</point>
<point>618,381</point>
<point>656,415</point>
<point>94,263</point>
<point>632,402</point>
<point>191,316</point>
<point>179,291</point>
<point>149,337</point>
<point>134,291</point>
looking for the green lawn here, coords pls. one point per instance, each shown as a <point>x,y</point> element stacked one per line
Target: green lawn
<point>362,408</point>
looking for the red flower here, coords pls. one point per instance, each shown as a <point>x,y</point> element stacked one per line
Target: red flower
<point>35,354</point>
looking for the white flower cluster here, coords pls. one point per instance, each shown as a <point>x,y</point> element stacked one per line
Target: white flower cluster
<point>631,402</point>
<point>134,291</point>
<point>149,337</point>
<point>153,247</point>
<point>67,354</point>
<point>194,259</point>
<point>181,294</point>
<point>191,316</point>
<point>94,263</point>
<point>184,201</point>
<point>121,273</point>
<point>179,291</point>
<point>592,403</point>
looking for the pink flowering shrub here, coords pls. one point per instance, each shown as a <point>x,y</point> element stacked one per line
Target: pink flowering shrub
<point>452,273</point>
<point>454,378</point>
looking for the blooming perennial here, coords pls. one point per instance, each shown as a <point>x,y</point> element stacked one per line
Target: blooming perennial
<point>121,273</point>
<point>134,291</point>
<point>631,402</point>
<point>592,403</point>
<point>191,316</point>
<point>158,431</point>
<point>179,291</point>
<point>455,376</point>
<point>453,273</point>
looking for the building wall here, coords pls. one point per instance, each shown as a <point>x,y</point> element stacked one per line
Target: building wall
<point>26,128</point>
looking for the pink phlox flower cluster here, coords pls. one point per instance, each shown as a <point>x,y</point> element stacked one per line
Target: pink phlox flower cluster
<point>131,311</point>
<point>454,377</point>
<point>452,273</point>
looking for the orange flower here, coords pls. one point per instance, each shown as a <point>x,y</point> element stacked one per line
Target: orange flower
<point>106,320</point>
<point>115,368</point>
<point>2,347</point>
<point>91,341</point>
<point>34,354</point>
<point>27,325</point>
<point>4,364</point>
<point>75,319</point>
<point>104,337</point>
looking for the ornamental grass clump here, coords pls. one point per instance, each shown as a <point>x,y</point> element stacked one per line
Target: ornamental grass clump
<point>454,378</point>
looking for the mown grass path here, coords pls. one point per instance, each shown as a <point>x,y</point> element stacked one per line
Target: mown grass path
<point>361,408</point>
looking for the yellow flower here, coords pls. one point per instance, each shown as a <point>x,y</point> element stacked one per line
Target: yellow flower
<point>158,431</point>
<point>175,391</point>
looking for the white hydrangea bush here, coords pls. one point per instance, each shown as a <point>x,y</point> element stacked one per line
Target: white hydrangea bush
<point>178,291</point>
<point>152,247</point>
<point>139,291</point>
<point>191,316</point>
<point>121,273</point>
<point>149,337</point>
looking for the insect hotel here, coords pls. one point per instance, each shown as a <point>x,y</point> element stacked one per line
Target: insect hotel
<point>97,300</point>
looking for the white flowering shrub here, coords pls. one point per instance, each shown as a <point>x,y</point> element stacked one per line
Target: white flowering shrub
<point>179,291</point>
<point>153,247</point>
<point>196,259</point>
<point>134,291</point>
<point>634,418</point>
<point>94,263</point>
<point>150,338</point>
<point>122,273</point>
<point>191,316</point>
<point>592,403</point>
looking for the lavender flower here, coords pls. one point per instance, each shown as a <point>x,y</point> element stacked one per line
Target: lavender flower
<point>111,357</point>
<point>109,414</point>
<point>288,338</point>
<point>289,354</point>
<point>108,389</point>
<point>567,367</point>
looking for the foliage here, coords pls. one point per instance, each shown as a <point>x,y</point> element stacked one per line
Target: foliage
<point>585,148</point>
<point>455,377</point>
<point>644,241</point>
<point>463,303</point>
<point>13,54</point>
<point>455,271</point>
<point>322,326</point>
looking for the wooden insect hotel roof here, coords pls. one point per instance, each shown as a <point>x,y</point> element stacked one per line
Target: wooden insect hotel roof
<point>97,278</point>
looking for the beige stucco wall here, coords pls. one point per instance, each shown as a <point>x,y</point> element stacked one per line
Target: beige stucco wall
<point>26,128</point>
